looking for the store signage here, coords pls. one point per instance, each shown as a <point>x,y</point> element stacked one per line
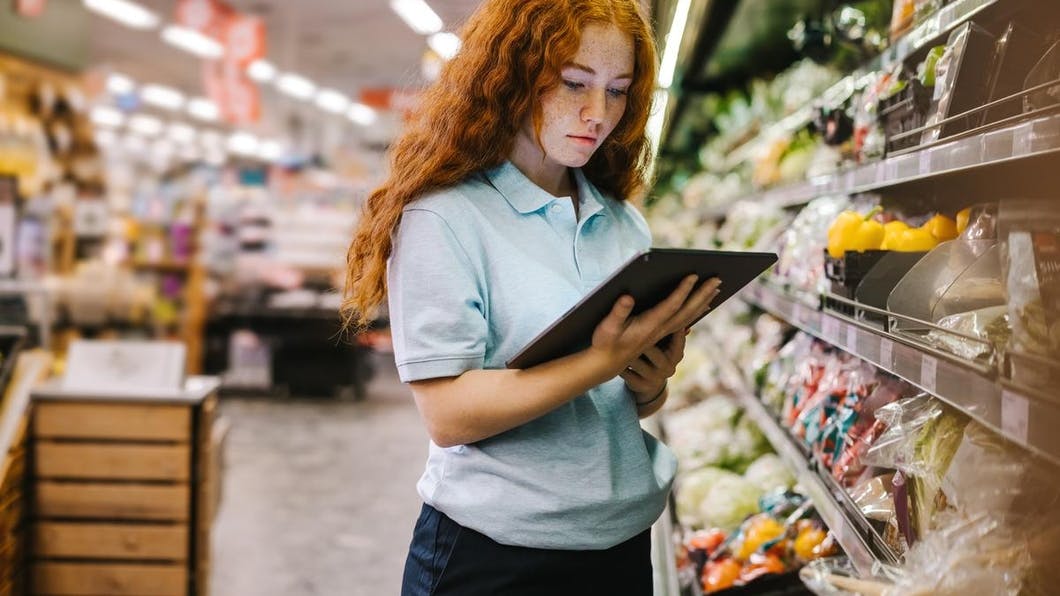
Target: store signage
<point>243,36</point>
<point>238,98</point>
<point>30,8</point>
<point>244,40</point>
<point>124,366</point>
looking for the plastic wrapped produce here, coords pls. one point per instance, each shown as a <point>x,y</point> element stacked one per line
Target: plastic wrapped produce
<point>1031,259</point>
<point>800,248</point>
<point>769,473</point>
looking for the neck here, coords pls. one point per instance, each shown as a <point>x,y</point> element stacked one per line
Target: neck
<point>552,177</point>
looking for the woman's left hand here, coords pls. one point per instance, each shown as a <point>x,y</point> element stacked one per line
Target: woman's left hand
<point>646,376</point>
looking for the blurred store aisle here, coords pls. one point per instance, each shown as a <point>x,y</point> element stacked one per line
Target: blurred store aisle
<point>319,495</point>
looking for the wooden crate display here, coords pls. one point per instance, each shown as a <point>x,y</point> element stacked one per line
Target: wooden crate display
<point>120,497</point>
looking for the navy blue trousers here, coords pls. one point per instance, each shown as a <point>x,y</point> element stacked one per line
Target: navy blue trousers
<point>446,559</point>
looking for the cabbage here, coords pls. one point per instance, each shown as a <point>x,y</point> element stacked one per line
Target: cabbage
<point>692,488</point>
<point>728,501</point>
<point>769,473</point>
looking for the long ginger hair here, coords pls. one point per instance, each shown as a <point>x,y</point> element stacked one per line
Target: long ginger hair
<point>468,119</point>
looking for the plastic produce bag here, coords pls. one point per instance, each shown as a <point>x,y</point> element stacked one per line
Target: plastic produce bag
<point>1031,259</point>
<point>862,428</point>
<point>989,324</point>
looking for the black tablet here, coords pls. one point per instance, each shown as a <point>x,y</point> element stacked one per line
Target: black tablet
<point>649,277</point>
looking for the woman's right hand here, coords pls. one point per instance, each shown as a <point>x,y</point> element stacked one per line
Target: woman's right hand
<point>621,338</point>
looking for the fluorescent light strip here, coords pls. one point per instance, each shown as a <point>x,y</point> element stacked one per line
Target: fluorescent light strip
<point>105,116</point>
<point>127,13</point>
<point>243,143</point>
<point>361,114</point>
<point>162,96</point>
<point>192,41</point>
<point>417,15</point>
<point>119,84</point>
<point>673,43</point>
<point>270,150</point>
<point>261,71</point>
<point>444,44</point>
<point>145,125</point>
<point>296,86</point>
<point>203,109</point>
<point>332,101</point>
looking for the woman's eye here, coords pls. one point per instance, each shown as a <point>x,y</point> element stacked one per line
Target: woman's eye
<point>617,92</point>
<point>573,85</point>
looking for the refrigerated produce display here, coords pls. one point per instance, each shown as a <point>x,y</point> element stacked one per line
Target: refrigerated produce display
<point>878,415</point>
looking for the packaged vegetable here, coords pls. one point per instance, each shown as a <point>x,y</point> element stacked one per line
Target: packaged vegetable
<point>728,501</point>
<point>769,473</point>
<point>721,574</point>
<point>1031,263</point>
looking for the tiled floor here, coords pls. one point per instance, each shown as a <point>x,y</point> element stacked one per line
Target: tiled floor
<point>319,496</point>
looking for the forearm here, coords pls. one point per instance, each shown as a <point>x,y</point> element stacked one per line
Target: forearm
<point>482,403</point>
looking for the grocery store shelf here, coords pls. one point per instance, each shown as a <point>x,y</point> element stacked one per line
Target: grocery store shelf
<point>942,22</point>
<point>840,522</point>
<point>1034,138</point>
<point>1022,417</point>
<point>163,265</point>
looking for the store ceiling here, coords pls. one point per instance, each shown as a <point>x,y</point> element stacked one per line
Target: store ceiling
<point>347,45</point>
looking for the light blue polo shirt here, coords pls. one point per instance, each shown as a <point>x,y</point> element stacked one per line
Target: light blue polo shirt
<point>476,272</point>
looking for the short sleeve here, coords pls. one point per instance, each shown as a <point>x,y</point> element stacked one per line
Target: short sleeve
<point>435,300</point>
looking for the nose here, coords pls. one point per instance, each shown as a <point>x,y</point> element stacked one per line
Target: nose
<point>595,107</point>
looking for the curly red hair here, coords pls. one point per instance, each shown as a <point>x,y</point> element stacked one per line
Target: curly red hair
<point>512,53</point>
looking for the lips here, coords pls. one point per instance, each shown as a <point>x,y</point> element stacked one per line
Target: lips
<point>583,140</point>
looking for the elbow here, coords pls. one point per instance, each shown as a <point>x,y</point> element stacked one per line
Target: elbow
<point>443,437</point>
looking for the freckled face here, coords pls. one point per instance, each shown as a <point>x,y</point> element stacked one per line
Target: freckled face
<point>580,112</point>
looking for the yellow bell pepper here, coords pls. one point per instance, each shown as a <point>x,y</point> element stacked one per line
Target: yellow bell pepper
<point>853,231</point>
<point>915,240</point>
<point>891,231</point>
<point>941,227</point>
<point>962,219</point>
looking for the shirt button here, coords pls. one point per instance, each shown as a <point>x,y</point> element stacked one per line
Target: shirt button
<point>555,207</point>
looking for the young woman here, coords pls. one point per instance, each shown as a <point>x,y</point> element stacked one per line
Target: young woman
<point>506,202</point>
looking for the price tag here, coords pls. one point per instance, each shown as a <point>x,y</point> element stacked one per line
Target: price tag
<point>852,338</point>
<point>830,329</point>
<point>1015,416</point>
<point>928,372</point>
<point>925,162</point>
<point>886,353</point>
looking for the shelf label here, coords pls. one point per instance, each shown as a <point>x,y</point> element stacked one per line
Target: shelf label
<point>928,372</point>
<point>886,353</point>
<point>925,162</point>
<point>852,338</point>
<point>1015,416</point>
<point>830,329</point>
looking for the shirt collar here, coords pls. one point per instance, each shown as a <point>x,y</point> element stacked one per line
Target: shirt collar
<point>526,197</point>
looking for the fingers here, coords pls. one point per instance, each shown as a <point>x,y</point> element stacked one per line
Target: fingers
<point>676,350</point>
<point>642,368</point>
<point>697,304</point>
<point>615,321</point>
<point>659,360</point>
<point>672,304</point>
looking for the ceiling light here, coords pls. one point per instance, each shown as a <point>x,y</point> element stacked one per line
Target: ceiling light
<point>203,109</point>
<point>243,143</point>
<point>105,116</point>
<point>145,125</point>
<point>193,42</point>
<point>119,84</point>
<point>672,46</point>
<point>163,97</point>
<point>127,13</point>
<point>361,114</point>
<point>181,133</point>
<point>418,15</point>
<point>270,150</point>
<point>261,71</point>
<point>444,44</point>
<point>296,86</point>
<point>332,101</point>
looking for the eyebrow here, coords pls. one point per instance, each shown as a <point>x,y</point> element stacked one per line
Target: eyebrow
<point>584,68</point>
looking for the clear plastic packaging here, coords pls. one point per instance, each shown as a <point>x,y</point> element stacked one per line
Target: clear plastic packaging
<point>1031,262</point>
